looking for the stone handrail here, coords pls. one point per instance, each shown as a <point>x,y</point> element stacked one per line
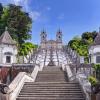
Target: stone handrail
<point>85,85</point>
<point>83,81</point>
<point>66,67</point>
<point>73,55</point>
<point>35,72</point>
<point>17,83</point>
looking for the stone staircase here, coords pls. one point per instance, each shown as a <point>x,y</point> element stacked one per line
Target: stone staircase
<point>51,84</point>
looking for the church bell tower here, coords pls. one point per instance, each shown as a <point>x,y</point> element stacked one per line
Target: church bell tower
<point>59,36</point>
<point>43,36</point>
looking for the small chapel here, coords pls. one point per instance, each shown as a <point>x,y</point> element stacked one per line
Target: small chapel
<point>94,50</point>
<point>54,44</point>
<point>8,49</point>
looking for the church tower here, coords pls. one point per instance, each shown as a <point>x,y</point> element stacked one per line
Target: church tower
<point>59,36</point>
<point>43,37</point>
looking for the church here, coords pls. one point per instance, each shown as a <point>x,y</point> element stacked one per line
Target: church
<point>54,44</point>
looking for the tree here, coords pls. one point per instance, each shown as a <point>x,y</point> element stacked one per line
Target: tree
<point>26,48</point>
<point>80,45</point>
<point>18,23</point>
<point>1,10</point>
<point>74,43</point>
<point>89,37</point>
<point>1,23</point>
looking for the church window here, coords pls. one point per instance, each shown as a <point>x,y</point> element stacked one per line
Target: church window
<point>8,59</point>
<point>43,37</point>
<point>59,36</point>
<point>97,59</point>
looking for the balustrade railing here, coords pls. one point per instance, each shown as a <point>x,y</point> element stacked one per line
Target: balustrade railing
<point>71,55</point>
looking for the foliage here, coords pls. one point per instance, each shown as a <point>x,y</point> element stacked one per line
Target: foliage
<point>92,80</point>
<point>1,10</point>
<point>18,23</point>
<point>89,35</point>
<point>96,66</point>
<point>78,45</point>
<point>97,69</point>
<point>26,48</point>
<point>81,44</point>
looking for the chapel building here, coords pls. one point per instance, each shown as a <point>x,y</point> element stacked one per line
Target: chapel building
<point>8,49</point>
<point>94,50</point>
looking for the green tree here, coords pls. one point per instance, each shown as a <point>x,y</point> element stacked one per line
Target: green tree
<point>26,48</point>
<point>74,43</point>
<point>18,23</point>
<point>1,22</point>
<point>89,37</point>
<point>81,44</point>
<point>1,10</point>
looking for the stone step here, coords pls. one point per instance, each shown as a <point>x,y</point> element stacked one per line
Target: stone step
<point>50,80</point>
<point>52,75</point>
<point>48,98</point>
<point>50,95</point>
<point>52,68</point>
<point>51,84</point>
<point>49,73</point>
<point>53,91</point>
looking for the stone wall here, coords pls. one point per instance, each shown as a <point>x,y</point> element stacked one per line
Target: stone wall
<point>4,74</point>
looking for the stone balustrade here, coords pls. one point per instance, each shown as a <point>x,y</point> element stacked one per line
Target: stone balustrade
<point>18,82</point>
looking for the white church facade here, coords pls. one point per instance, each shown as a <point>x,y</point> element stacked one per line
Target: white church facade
<point>54,44</point>
<point>8,49</point>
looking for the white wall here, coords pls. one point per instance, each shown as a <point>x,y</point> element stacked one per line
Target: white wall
<point>8,48</point>
<point>93,50</point>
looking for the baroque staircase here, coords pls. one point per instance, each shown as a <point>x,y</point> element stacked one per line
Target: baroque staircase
<point>51,84</point>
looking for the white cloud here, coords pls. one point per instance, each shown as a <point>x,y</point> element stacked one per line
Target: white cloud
<point>17,2</point>
<point>48,8</point>
<point>61,16</point>
<point>23,3</point>
<point>34,15</point>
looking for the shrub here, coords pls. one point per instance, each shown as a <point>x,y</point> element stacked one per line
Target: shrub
<point>92,80</point>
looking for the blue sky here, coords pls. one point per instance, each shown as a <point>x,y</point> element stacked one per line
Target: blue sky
<point>73,17</point>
